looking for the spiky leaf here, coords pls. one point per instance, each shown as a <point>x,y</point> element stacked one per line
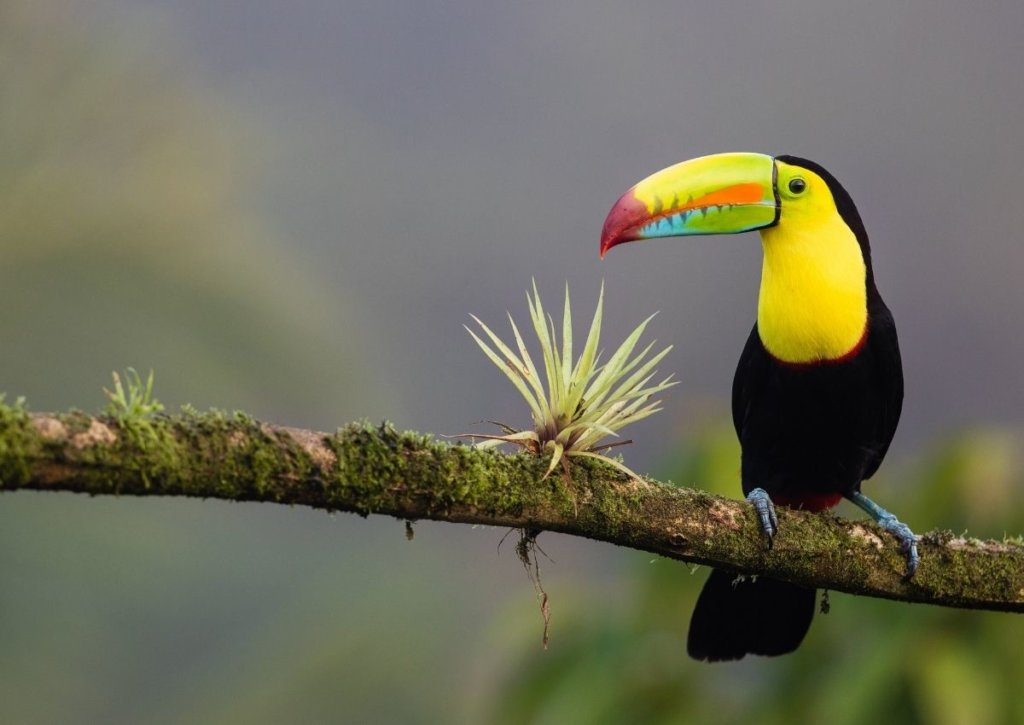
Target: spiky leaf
<point>583,402</point>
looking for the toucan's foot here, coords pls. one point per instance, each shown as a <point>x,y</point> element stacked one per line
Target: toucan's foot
<point>908,541</point>
<point>765,509</point>
<point>907,538</point>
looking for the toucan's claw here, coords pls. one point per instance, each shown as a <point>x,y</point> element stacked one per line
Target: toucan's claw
<point>765,509</point>
<point>907,538</point>
<point>908,541</point>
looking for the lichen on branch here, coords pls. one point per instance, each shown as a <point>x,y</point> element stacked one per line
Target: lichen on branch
<point>368,469</point>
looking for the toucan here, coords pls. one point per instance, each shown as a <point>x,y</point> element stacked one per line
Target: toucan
<point>818,390</point>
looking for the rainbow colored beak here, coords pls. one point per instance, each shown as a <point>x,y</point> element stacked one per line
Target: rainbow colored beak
<point>719,194</point>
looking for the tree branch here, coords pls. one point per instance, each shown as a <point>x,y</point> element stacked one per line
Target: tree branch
<point>378,470</point>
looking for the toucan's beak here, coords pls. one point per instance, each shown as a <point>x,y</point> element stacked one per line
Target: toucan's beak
<point>720,194</point>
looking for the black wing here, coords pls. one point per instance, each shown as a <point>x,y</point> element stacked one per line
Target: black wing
<point>751,373</point>
<point>888,367</point>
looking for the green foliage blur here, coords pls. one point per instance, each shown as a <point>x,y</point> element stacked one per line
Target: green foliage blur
<point>865,661</point>
<point>127,239</point>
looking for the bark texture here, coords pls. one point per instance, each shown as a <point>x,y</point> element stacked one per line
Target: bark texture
<point>377,470</point>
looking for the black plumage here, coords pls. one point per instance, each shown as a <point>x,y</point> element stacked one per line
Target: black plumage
<point>810,434</point>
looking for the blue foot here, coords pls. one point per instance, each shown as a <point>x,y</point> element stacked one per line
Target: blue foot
<point>765,509</point>
<point>908,540</point>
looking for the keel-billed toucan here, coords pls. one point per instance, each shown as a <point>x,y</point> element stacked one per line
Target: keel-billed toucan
<point>819,386</point>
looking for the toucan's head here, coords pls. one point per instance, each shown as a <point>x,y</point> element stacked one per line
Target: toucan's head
<point>816,277</point>
<point>727,194</point>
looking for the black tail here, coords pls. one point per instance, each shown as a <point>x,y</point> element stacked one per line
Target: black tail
<point>736,618</point>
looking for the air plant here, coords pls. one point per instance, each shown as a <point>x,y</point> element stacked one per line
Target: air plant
<point>584,402</point>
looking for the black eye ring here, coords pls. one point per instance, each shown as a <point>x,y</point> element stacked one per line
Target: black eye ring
<point>797,186</point>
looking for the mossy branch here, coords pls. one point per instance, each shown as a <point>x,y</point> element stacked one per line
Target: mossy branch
<point>365,469</point>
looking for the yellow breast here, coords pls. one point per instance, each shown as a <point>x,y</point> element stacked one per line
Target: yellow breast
<point>813,300</point>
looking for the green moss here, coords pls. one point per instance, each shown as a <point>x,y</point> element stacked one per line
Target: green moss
<point>365,468</point>
<point>377,469</point>
<point>232,456</point>
<point>376,463</point>
<point>208,455</point>
<point>18,443</point>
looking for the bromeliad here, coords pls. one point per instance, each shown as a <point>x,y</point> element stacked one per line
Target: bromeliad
<point>583,403</point>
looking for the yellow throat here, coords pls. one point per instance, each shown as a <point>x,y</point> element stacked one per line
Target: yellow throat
<point>813,300</point>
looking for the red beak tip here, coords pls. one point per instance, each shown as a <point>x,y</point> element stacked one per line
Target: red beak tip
<point>621,222</point>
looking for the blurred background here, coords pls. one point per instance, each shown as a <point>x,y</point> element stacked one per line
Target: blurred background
<point>291,208</point>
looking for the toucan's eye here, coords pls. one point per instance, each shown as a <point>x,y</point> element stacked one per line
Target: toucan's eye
<point>797,186</point>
